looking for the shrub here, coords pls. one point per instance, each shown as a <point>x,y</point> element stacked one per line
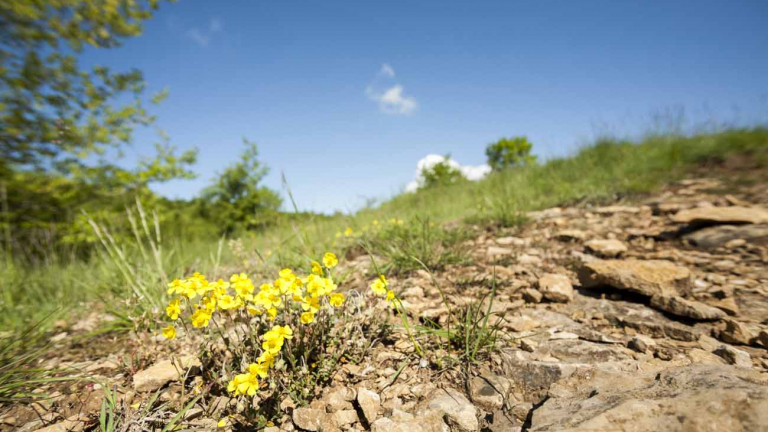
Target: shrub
<point>442,174</point>
<point>510,152</point>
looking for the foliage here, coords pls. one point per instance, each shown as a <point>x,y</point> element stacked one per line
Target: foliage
<point>509,153</point>
<point>20,373</point>
<point>405,245</point>
<point>62,127</point>
<point>236,199</point>
<point>442,174</point>
<point>49,106</point>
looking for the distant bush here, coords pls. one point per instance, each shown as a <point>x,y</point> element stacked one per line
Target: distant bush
<point>510,152</point>
<point>441,174</point>
<point>236,200</point>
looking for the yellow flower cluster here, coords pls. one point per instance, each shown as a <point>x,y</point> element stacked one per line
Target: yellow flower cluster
<point>240,294</point>
<point>248,383</point>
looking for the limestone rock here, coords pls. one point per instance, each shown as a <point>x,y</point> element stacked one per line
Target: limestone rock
<point>459,412</point>
<point>428,422</point>
<point>723,235</point>
<point>647,277</point>
<point>606,248</point>
<point>76,423</point>
<point>735,333</point>
<point>607,210</point>
<point>722,215</point>
<point>340,399</point>
<point>345,417</point>
<point>369,403</point>
<point>734,356</point>
<point>762,337</point>
<point>308,418</point>
<point>556,288</point>
<point>162,373</point>
<point>690,398</point>
<point>641,343</point>
<point>531,295</point>
<point>489,390</point>
<point>686,308</point>
<point>571,234</point>
<point>495,251</point>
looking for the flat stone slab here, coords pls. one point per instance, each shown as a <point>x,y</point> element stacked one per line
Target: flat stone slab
<point>722,215</point>
<point>646,277</point>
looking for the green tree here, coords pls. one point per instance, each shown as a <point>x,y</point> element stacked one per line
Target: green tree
<point>510,152</point>
<point>441,174</point>
<point>62,126</point>
<point>51,107</point>
<point>236,200</point>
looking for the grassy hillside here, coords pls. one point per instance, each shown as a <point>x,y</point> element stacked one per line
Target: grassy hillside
<point>128,276</point>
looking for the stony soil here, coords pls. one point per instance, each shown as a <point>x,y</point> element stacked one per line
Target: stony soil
<point>650,314</point>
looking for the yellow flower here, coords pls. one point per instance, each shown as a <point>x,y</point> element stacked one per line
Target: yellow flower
<point>329,260</point>
<point>307,318</point>
<point>316,269</point>
<point>391,299</point>
<point>222,423</point>
<point>279,332</point>
<point>175,287</point>
<point>173,310</point>
<point>242,285</point>
<point>244,384</point>
<point>348,232</point>
<point>209,303</point>
<point>200,318</point>
<point>169,332</point>
<point>272,346</point>
<point>227,302</point>
<point>311,304</point>
<point>253,310</point>
<point>336,300</point>
<point>267,359</point>
<point>379,286</point>
<point>272,312</point>
<point>258,369</point>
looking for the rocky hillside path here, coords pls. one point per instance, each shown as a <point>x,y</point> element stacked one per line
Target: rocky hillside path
<point>639,315</point>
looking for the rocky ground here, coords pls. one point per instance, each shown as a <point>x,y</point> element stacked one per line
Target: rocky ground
<point>650,314</point>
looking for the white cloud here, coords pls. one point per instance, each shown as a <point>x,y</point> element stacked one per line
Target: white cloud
<point>471,172</point>
<point>203,37</point>
<point>387,70</point>
<point>393,101</point>
<point>390,97</point>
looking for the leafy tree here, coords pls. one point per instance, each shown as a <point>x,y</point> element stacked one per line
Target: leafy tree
<point>236,199</point>
<point>510,152</point>
<point>62,126</point>
<point>49,106</point>
<point>441,174</point>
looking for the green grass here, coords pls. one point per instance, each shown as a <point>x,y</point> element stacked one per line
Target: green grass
<point>129,274</point>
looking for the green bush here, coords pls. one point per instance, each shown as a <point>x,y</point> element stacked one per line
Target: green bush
<point>509,153</point>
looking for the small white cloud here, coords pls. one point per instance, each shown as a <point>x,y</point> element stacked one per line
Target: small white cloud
<point>471,172</point>
<point>387,70</point>
<point>201,37</point>
<point>390,97</point>
<point>393,101</point>
<point>477,172</point>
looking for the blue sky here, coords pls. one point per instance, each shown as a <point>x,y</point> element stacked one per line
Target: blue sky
<point>345,97</point>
